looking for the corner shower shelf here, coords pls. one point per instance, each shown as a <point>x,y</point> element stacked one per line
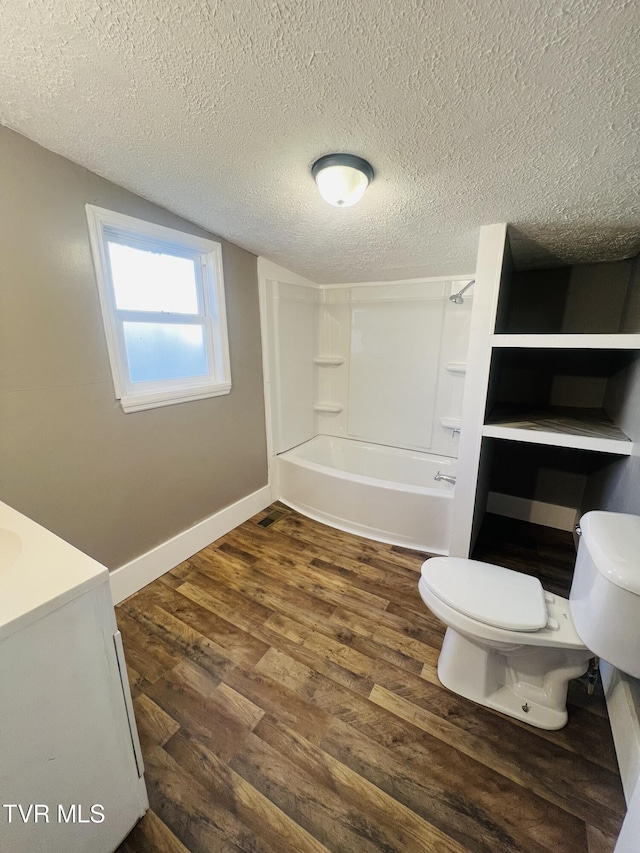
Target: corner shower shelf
<point>328,360</point>
<point>456,366</point>
<point>560,426</point>
<point>328,408</point>
<point>567,341</point>
<point>454,424</point>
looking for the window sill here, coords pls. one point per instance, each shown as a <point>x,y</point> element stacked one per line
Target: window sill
<point>140,402</point>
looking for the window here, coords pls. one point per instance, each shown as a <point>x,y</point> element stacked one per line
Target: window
<point>162,298</point>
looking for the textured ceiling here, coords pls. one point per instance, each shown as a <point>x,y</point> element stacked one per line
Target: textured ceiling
<point>471,112</point>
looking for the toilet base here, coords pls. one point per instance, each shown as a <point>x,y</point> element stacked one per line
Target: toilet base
<point>528,683</point>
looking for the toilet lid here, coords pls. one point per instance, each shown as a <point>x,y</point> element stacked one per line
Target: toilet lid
<point>487,593</point>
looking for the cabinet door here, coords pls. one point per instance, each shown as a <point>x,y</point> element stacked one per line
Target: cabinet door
<point>65,741</point>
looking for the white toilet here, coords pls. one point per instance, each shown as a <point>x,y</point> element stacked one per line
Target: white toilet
<point>512,646</point>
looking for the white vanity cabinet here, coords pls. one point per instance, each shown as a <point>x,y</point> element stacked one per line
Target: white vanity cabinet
<point>71,774</point>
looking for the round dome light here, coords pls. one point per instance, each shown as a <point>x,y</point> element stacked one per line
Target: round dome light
<point>342,178</point>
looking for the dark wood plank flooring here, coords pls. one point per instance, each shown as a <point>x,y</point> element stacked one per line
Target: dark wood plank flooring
<point>286,694</point>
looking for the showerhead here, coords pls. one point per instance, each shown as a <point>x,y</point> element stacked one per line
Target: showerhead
<point>457,297</point>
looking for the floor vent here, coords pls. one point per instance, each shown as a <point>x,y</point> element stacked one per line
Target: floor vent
<point>270,519</point>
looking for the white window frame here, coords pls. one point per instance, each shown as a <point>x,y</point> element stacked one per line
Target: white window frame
<point>207,255</point>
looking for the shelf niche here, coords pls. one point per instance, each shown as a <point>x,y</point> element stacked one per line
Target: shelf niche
<point>584,299</point>
<point>565,397</point>
<point>543,474</point>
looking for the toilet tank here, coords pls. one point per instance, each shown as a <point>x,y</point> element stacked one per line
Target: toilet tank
<point>605,594</point>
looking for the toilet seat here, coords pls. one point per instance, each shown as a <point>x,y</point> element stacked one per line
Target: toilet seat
<point>559,631</point>
<point>486,593</point>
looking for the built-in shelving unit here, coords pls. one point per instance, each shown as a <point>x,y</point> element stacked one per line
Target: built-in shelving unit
<point>562,337</point>
<point>565,343</point>
<point>549,411</point>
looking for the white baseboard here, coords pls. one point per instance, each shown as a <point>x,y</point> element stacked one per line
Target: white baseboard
<point>623,703</point>
<point>537,512</point>
<point>148,567</point>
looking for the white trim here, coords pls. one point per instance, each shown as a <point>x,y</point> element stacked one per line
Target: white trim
<point>423,280</point>
<point>567,341</point>
<point>628,839</point>
<point>537,512</point>
<point>149,566</point>
<point>206,255</point>
<point>600,444</point>
<point>622,693</point>
<point>139,402</point>
<point>269,270</point>
<point>472,480</point>
<point>269,414</point>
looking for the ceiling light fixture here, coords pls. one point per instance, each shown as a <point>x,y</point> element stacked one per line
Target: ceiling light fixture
<point>342,178</point>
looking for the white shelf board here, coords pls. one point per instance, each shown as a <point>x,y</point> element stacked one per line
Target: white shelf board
<point>567,341</point>
<point>558,439</point>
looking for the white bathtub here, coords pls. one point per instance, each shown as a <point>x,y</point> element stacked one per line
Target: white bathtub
<point>384,493</point>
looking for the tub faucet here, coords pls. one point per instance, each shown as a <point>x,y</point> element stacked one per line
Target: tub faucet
<point>446,478</point>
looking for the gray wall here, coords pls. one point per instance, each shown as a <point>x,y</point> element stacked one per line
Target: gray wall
<point>114,485</point>
<point>616,486</point>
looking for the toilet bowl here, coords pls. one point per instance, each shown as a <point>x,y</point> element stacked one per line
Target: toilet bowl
<point>508,645</point>
<point>511,646</point>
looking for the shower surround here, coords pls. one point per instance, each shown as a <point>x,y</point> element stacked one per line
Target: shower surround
<point>364,386</point>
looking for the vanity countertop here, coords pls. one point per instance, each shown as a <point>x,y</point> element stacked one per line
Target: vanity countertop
<point>38,571</point>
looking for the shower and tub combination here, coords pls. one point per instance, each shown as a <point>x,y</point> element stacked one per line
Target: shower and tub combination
<point>364,389</point>
<point>386,493</point>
